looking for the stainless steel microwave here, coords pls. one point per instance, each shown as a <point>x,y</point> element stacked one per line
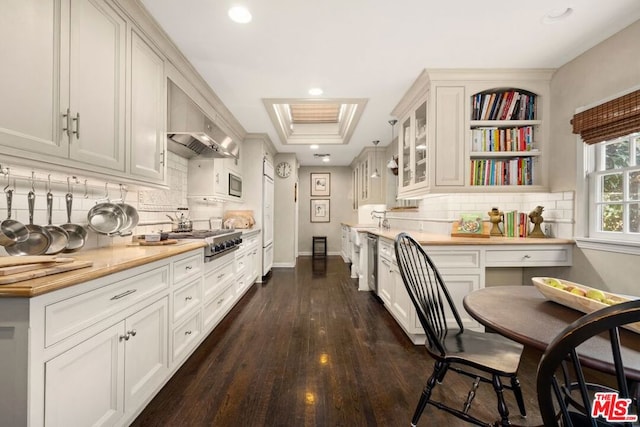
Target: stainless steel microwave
<point>235,185</point>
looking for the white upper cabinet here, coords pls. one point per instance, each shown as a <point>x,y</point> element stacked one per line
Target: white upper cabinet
<point>96,125</point>
<point>29,112</point>
<point>148,101</point>
<point>446,144</point>
<point>84,90</point>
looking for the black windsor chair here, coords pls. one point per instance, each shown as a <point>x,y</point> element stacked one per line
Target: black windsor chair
<point>564,391</point>
<point>485,357</point>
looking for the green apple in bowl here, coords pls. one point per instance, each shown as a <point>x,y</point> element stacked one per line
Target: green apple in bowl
<point>596,294</point>
<point>554,283</point>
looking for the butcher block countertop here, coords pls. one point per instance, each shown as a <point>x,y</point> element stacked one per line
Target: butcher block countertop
<point>106,261</point>
<point>445,240</point>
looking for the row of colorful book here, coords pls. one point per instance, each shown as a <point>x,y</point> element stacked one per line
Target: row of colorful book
<point>516,171</point>
<point>505,105</point>
<point>515,224</point>
<point>502,139</point>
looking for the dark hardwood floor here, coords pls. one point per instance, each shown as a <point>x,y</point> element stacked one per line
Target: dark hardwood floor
<point>307,349</point>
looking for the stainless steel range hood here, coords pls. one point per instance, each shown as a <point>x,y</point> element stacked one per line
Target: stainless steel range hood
<point>191,133</point>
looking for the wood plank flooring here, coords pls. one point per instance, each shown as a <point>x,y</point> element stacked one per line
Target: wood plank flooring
<point>307,349</point>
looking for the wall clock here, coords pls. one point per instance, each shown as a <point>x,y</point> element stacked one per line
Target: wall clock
<point>283,169</point>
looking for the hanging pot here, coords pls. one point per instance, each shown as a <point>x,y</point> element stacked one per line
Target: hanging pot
<point>12,231</point>
<point>39,238</point>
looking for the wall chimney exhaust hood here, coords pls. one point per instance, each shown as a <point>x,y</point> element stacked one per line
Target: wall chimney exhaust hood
<point>191,133</point>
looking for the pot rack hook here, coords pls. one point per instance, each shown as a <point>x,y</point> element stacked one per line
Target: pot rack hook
<point>86,190</point>
<point>106,190</point>
<point>33,179</point>
<point>68,185</point>
<point>7,187</point>
<point>48,183</point>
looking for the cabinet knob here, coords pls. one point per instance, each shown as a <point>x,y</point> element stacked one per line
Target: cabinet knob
<point>124,337</point>
<point>132,332</point>
<point>188,298</point>
<point>188,267</point>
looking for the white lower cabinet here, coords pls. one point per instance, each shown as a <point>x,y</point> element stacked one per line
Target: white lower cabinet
<point>462,268</point>
<point>95,382</point>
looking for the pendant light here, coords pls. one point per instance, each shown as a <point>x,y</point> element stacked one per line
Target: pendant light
<point>393,164</point>
<point>375,174</point>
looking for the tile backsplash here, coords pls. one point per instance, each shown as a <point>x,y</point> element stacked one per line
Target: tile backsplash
<point>435,212</point>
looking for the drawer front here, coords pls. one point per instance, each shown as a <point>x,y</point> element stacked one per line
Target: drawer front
<point>251,240</point>
<point>64,318</point>
<point>186,299</point>
<point>386,249</point>
<point>532,257</point>
<point>213,309</point>
<point>217,279</point>
<point>241,264</point>
<point>187,268</point>
<point>444,259</point>
<point>185,337</point>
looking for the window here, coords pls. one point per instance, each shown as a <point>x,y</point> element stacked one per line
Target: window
<point>614,189</point>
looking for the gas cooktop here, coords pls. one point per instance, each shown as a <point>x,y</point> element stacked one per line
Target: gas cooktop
<point>219,242</point>
<point>200,234</point>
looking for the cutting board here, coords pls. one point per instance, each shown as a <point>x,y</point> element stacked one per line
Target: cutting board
<point>46,271</point>
<point>14,269</point>
<point>159,243</point>
<point>9,261</point>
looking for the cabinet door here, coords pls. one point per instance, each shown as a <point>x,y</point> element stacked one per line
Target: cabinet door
<point>84,385</point>
<point>147,360</point>
<point>459,286</point>
<point>147,138</point>
<point>30,82</point>
<point>449,136</point>
<point>97,84</point>
<point>385,281</point>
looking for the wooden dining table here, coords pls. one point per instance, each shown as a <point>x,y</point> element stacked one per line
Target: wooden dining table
<point>523,314</point>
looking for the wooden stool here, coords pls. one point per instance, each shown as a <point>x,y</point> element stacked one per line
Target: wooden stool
<point>319,247</point>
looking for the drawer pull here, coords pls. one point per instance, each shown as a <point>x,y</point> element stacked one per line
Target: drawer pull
<point>124,294</point>
<point>124,337</point>
<point>187,332</point>
<point>188,267</point>
<point>526,256</point>
<point>220,276</point>
<point>188,298</point>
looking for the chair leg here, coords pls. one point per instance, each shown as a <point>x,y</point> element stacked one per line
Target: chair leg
<point>517,391</point>
<point>439,370</point>
<point>502,405</point>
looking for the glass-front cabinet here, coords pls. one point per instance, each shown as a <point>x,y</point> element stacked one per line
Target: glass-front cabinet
<point>413,152</point>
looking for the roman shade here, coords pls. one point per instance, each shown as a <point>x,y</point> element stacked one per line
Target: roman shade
<point>612,119</point>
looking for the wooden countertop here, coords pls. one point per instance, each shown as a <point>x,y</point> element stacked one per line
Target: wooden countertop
<point>445,240</point>
<point>106,261</point>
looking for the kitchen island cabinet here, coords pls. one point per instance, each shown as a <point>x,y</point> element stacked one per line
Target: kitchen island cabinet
<point>93,346</point>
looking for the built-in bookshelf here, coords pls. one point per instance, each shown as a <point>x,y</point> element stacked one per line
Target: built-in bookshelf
<point>504,146</point>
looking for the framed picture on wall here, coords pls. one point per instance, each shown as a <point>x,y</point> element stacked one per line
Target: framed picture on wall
<point>320,210</point>
<point>320,184</point>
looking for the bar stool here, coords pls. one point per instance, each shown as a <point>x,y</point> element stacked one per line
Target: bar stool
<point>319,247</point>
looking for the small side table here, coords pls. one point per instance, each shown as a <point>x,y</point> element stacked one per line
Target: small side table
<point>319,247</point>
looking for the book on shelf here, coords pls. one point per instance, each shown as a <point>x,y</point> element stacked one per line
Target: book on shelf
<point>504,105</point>
<point>515,224</point>
<point>490,172</point>
<point>489,139</point>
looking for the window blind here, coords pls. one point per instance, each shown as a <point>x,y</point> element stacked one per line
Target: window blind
<point>609,120</point>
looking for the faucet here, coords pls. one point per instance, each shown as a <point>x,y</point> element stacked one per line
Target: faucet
<point>385,222</point>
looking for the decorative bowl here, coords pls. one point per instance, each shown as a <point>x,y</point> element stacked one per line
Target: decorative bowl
<point>575,301</point>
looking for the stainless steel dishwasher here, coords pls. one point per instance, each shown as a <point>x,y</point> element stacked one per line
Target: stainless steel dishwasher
<point>372,262</point>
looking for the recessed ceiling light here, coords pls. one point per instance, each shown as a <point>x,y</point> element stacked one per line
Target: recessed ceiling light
<point>314,146</point>
<point>240,14</point>
<point>315,91</point>
<point>556,15</point>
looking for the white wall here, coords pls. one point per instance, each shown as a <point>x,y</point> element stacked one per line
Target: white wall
<point>285,229</point>
<point>341,208</point>
<point>601,72</point>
